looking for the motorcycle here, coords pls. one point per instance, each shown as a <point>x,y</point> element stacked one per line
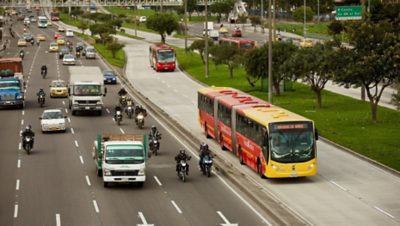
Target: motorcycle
<point>118,117</point>
<point>41,100</point>
<point>44,73</point>
<point>206,165</point>
<point>140,120</point>
<point>129,111</point>
<point>182,169</point>
<point>27,143</point>
<point>21,54</point>
<point>154,146</point>
<point>122,101</point>
<point>78,54</point>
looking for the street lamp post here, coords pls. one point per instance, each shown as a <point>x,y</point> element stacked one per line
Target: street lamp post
<point>269,53</point>
<point>206,39</point>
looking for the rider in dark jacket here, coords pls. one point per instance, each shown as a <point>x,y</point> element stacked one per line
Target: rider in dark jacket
<point>27,132</point>
<point>182,156</point>
<point>204,151</point>
<point>154,134</point>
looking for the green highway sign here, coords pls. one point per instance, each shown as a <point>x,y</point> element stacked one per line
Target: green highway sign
<point>349,12</point>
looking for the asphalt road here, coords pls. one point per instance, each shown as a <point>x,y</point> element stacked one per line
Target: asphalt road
<point>57,185</point>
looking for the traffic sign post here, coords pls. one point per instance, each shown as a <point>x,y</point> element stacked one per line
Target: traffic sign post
<point>349,12</point>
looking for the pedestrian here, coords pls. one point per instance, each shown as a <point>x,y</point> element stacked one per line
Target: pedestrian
<point>4,46</point>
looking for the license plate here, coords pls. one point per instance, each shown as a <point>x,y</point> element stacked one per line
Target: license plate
<point>87,108</point>
<point>108,80</point>
<point>8,102</point>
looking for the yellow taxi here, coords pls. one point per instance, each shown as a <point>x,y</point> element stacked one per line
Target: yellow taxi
<point>53,47</point>
<point>41,37</point>
<point>58,88</point>
<point>21,42</point>
<point>306,43</point>
<point>61,29</point>
<point>61,41</point>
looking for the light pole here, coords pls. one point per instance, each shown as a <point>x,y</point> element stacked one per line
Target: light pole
<point>206,40</point>
<point>269,53</point>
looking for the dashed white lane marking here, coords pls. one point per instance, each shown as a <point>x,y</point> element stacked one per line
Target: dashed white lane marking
<point>16,211</point>
<point>122,131</point>
<point>17,185</point>
<point>58,219</point>
<point>96,207</point>
<point>144,221</point>
<point>157,180</point>
<point>108,111</point>
<point>19,163</point>
<point>80,157</point>
<point>69,119</point>
<point>23,112</point>
<point>72,130</point>
<point>384,212</point>
<point>224,219</point>
<point>176,206</point>
<point>19,146</point>
<point>113,119</point>
<point>88,181</point>
<point>22,122</point>
<point>341,187</point>
<point>63,102</point>
<point>76,143</point>
<point>66,110</point>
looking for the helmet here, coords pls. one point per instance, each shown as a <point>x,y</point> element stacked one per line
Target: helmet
<point>204,146</point>
<point>182,152</point>
<point>28,127</point>
<point>153,127</point>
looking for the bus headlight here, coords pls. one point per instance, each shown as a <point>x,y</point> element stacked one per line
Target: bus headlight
<point>311,166</point>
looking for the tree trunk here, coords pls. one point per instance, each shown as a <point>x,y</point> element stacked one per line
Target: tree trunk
<point>202,57</point>
<point>231,71</point>
<point>374,108</point>
<point>277,90</point>
<point>319,98</point>
<point>163,38</point>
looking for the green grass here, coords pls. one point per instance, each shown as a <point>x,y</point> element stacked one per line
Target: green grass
<point>68,20</point>
<point>140,27</point>
<point>342,119</point>
<point>118,61</point>
<point>130,12</point>
<point>320,29</point>
<point>129,35</point>
<point>197,19</point>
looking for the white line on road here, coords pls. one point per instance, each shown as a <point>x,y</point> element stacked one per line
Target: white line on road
<point>384,212</point>
<point>76,143</point>
<point>158,181</point>
<point>69,119</point>
<point>176,206</point>
<point>22,122</point>
<point>80,157</point>
<point>113,119</point>
<point>19,163</point>
<point>144,221</point>
<point>19,146</point>
<point>63,102</point>
<point>23,112</point>
<point>122,131</point>
<point>16,211</point>
<point>225,220</point>
<point>343,188</point>
<point>88,180</point>
<point>58,219</point>
<point>96,208</point>
<point>72,130</point>
<point>17,185</point>
<point>108,111</point>
<point>66,110</point>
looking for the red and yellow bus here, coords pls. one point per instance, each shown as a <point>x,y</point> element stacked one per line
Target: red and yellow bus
<point>274,142</point>
<point>162,57</point>
<point>239,42</point>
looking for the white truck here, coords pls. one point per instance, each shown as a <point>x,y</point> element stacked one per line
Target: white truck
<point>120,158</point>
<point>86,89</point>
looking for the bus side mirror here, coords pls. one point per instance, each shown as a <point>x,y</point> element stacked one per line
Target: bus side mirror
<point>316,134</point>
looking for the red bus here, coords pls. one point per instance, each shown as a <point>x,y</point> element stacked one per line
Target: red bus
<point>272,141</point>
<point>162,57</point>
<point>239,42</point>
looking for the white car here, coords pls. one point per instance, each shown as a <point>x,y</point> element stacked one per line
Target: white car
<point>69,33</point>
<point>69,59</point>
<point>142,19</point>
<point>53,120</point>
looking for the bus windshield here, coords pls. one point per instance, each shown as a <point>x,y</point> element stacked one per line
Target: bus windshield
<point>87,90</point>
<point>165,56</point>
<point>292,142</point>
<point>42,21</point>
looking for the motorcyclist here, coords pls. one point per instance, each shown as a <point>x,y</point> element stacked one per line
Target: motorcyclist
<point>182,156</point>
<point>129,102</point>
<point>40,92</point>
<point>122,92</point>
<point>43,69</point>
<point>22,53</point>
<point>116,109</point>
<point>27,132</point>
<point>204,151</point>
<point>154,134</point>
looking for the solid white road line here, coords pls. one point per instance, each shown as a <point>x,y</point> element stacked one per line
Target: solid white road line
<point>384,212</point>
<point>16,211</point>
<point>158,181</point>
<point>17,185</point>
<point>225,220</point>
<point>176,206</point>
<point>122,131</point>
<point>341,187</point>
<point>88,180</point>
<point>96,207</point>
<point>76,143</point>
<point>80,157</point>
<point>72,130</point>
<point>19,163</point>
<point>58,219</point>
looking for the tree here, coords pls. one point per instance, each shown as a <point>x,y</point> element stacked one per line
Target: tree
<point>83,25</point>
<point>375,58</point>
<point>103,30</point>
<point>199,45</point>
<point>114,46</point>
<point>223,7</point>
<point>163,23</point>
<point>230,55</point>
<point>243,19</point>
<point>191,7</point>
<point>255,64</point>
<point>116,22</point>
<point>255,20</point>
<point>298,14</point>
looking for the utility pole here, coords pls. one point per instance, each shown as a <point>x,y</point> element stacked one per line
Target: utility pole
<point>206,39</point>
<point>185,28</point>
<point>161,5</point>
<point>269,52</point>
<point>304,17</point>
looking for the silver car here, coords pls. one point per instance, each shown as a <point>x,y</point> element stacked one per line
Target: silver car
<point>90,52</point>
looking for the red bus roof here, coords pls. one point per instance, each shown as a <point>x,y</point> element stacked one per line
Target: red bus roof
<point>241,99</point>
<point>11,59</point>
<point>160,46</point>
<point>213,92</point>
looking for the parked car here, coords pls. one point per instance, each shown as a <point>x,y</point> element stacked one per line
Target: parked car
<point>89,52</point>
<point>58,88</point>
<point>63,51</point>
<point>69,59</point>
<point>110,77</point>
<point>53,120</point>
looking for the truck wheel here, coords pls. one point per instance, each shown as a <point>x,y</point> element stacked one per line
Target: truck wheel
<point>105,184</point>
<point>73,112</point>
<point>140,184</point>
<point>100,112</point>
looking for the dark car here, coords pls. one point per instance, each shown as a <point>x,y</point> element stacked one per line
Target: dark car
<point>63,51</point>
<point>27,36</point>
<point>110,77</point>
<point>80,46</point>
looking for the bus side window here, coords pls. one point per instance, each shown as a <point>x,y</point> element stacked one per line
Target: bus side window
<point>265,146</point>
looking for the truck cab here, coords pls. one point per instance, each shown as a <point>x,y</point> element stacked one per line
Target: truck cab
<point>120,158</point>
